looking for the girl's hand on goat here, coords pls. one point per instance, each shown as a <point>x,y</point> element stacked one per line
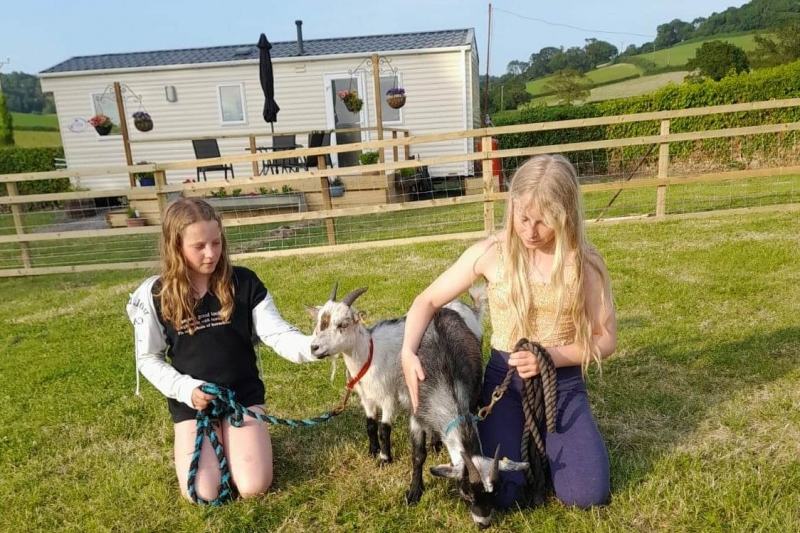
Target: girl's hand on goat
<point>527,364</point>
<point>200,399</point>
<point>412,371</point>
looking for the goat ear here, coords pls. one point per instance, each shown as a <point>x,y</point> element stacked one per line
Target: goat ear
<point>506,465</point>
<point>446,471</point>
<point>360,316</point>
<point>313,311</point>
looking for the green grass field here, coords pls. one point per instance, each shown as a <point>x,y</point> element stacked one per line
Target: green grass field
<point>623,89</point>
<point>682,53</point>
<point>36,139</point>
<point>600,75</point>
<point>699,407</point>
<point>24,121</point>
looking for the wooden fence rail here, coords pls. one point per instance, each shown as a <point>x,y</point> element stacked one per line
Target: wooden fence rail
<point>399,140</point>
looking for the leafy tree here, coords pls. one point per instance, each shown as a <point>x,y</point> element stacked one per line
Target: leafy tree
<point>785,48</point>
<point>6,124</point>
<point>715,59</point>
<point>508,94</point>
<point>23,94</point>
<point>516,67</point>
<point>672,33</point>
<point>569,86</point>
<point>599,52</point>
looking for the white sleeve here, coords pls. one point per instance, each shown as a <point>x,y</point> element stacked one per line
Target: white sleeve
<point>275,332</point>
<point>151,345</point>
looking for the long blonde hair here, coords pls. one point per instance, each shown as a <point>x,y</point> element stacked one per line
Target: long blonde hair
<point>177,296</point>
<point>549,184</point>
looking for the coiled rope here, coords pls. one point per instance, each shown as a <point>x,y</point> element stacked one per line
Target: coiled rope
<point>225,406</point>
<point>539,408</point>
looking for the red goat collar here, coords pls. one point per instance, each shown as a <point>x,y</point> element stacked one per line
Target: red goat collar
<point>352,383</point>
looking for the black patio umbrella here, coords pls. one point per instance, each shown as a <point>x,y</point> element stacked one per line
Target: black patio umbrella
<point>267,81</point>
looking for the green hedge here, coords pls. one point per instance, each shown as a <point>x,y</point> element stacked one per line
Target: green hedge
<point>19,160</point>
<point>767,84</point>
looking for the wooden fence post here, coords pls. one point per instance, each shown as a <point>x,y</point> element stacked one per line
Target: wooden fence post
<point>663,172</point>
<point>161,181</point>
<point>326,199</point>
<point>488,186</point>
<point>252,151</point>
<point>11,186</point>
<point>394,148</point>
<point>123,126</point>
<point>408,146</point>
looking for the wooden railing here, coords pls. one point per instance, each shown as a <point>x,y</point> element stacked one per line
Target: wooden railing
<point>488,194</point>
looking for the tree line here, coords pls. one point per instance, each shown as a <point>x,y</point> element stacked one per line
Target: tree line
<point>23,94</point>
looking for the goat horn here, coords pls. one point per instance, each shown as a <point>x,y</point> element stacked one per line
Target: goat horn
<point>332,297</point>
<point>350,298</point>
<point>472,471</point>
<point>495,464</point>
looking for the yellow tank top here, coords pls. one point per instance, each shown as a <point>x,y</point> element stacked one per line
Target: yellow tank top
<point>549,329</point>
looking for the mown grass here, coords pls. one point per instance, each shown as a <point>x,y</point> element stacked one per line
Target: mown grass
<point>682,53</point>
<point>26,121</point>
<point>36,139</point>
<point>623,89</point>
<point>700,406</point>
<point>600,75</point>
<point>681,199</point>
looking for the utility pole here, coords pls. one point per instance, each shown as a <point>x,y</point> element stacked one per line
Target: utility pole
<point>486,91</point>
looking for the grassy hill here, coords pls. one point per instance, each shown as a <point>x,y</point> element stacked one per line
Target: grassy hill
<point>623,89</point>
<point>681,54</point>
<point>598,76</point>
<point>29,121</point>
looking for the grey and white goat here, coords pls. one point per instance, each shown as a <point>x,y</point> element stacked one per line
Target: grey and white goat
<point>451,357</point>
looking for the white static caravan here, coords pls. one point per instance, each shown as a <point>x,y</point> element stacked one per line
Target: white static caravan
<point>204,92</point>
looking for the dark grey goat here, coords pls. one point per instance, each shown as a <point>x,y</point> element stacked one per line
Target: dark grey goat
<point>450,353</point>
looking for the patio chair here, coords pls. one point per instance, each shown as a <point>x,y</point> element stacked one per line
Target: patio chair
<point>317,139</point>
<point>287,142</point>
<point>207,149</point>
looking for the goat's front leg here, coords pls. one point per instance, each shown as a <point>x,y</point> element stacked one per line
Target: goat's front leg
<point>418,456</point>
<point>372,428</point>
<point>387,415</point>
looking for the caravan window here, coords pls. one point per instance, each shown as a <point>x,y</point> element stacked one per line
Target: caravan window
<point>231,104</point>
<point>105,103</point>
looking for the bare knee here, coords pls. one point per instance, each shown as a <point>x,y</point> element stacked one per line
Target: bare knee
<point>251,487</point>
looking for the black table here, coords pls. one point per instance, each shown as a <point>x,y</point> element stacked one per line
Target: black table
<point>274,166</point>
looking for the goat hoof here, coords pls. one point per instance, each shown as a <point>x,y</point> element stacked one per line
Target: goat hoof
<point>413,497</point>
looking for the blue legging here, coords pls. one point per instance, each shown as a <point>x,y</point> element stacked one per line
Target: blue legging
<point>576,452</point>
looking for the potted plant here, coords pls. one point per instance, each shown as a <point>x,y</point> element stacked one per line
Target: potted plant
<point>396,97</point>
<point>336,187</point>
<point>369,157</point>
<point>142,121</point>
<point>134,220</point>
<point>102,124</point>
<point>351,101</point>
<point>145,179</point>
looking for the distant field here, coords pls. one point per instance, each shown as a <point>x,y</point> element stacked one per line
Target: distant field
<point>600,75</point>
<point>24,121</point>
<point>681,54</point>
<point>623,89</point>
<point>35,139</point>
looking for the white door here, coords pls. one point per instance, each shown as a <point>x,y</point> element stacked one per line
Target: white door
<point>339,117</point>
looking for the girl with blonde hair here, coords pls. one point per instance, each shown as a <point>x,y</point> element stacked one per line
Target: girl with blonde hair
<point>546,283</point>
<point>203,313</point>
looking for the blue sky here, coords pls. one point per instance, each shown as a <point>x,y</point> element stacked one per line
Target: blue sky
<point>37,34</point>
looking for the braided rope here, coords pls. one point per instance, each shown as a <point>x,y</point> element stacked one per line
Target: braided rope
<point>225,406</point>
<point>538,405</point>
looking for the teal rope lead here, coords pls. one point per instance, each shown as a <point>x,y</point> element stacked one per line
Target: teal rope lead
<point>225,406</point>
<point>459,420</point>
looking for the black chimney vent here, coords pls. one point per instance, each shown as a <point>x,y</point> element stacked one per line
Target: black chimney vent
<point>300,50</point>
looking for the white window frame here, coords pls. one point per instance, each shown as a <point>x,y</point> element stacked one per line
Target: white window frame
<point>110,136</point>
<point>402,120</point>
<point>222,121</point>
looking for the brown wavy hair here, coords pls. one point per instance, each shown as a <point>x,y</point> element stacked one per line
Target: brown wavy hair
<point>178,301</point>
<point>549,184</point>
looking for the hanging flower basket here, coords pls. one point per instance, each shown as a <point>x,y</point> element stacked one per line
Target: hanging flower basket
<point>102,124</point>
<point>396,98</point>
<point>351,101</point>
<point>142,121</point>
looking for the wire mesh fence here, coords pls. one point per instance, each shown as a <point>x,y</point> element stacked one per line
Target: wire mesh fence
<point>441,192</point>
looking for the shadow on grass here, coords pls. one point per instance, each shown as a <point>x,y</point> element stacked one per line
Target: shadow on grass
<point>648,402</point>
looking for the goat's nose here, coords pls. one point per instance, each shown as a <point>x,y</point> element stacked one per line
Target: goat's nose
<point>314,348</point>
